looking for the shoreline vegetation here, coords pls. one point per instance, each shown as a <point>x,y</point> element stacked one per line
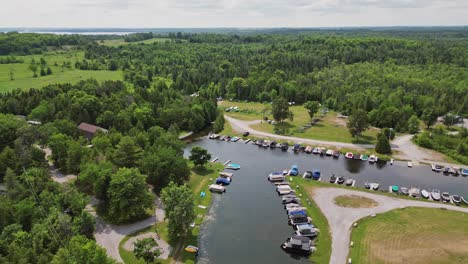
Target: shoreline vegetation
<point>199,182</point>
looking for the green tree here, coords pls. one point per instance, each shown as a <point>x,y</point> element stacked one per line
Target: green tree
<point>199,156</point>
<point>75,155</point>
<point>33,68</point>
<point>429,117</point>
<point>49,71</point>
<point>218,125</point>
<point>146,249</point>
<point>383,144</point>
<point>312,108</point>
<point>357,123</point>
<point>59,144</point>
<point>128,196</point>
<point>128,153</point>
<point>280,110</point>
<point>43,72</point>
<point>82,250</point>
<point>413,124</point>
<point>179,208</point>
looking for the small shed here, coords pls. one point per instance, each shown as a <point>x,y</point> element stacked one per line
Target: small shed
<point>89,130</point>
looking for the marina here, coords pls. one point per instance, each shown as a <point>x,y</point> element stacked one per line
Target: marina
<point>251,199</point>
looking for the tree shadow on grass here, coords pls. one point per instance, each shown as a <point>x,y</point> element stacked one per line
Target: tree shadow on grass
<point>203,170</point>
<point>363,139</point>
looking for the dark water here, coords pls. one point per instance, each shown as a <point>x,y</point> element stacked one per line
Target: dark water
<point>247,224</point>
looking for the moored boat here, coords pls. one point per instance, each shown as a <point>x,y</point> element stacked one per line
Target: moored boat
<point>436,168</point>
<point>374,186</point>
<point>446,170</point>
<point>445,197</point>
<point>464,172</point>
<point>394,188</point>
<point>333,179</point>
<point>308,150</point>
<point>296,147</point>
<point>340,180</point>
<point>316,175</point>
<point>364,157</point>
<point>298,245</point>
<point>456,199</point>
<point>321,151</point>
<point>367,185</point>
<point>284,189</point>
<point>404,190</point>
<point>284,146</point>
<point>217,188</point>
<point>349,182</point>
<point>435,195</point>
<point>276,177</point>
<point>410,164</point>
<point>425,194</point>
<point>223,181</point>
<point>294,171</point>
<point>299,220</point>
<point>329,152</point>
<point>235,139</point>
<point>349,155</point>
<point>273,144</point>
<point>357,156</point>
<point>315,151</point>
<point>373,158</point>
<point>266,143</point>
<point>306,230</point>
<point>307,175</point>
<point>464,200</point>
<point>415,192</point>
<point>455,171</point>
<point>336,154</point>
<point>233,166</point>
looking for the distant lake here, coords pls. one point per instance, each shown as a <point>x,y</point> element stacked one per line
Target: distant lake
<point>247,224</point>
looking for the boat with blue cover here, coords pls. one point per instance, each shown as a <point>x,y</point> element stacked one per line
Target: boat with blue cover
<point>233,166</point>
<point>223,181</point>
<point>294,171</point>
<point>316,175</point>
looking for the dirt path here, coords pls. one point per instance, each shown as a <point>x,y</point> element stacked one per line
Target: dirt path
<point>341,219</point>
<point>403,144</point>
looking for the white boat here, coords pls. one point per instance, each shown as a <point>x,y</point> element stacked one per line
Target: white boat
<point>373,158</point>
<point>436,168</point>
<point>329,152</point>
<point>284,189</point>
<point>415,192</point>
<point>391,161</point>
<point>435,195</point>
<point>410,164</point>
<point>374,186</point>
<point>425,194</point>
<point>464,200</point>
<point>247,141</point>
<point>217,188</point>
<point>276,177</point>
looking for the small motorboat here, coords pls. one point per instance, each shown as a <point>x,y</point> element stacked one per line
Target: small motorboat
<point>357,156</point>
<point>302,148</point>
<point>456,199</point>
<point>307,175</point>
<point>298,245</point>
<point>349,155</point>
<point>446,170</point>
<point>308,150</point>
<point>288,196</point>
<point>321,151</point>
<point>349,182</point>
<point>217,188</point>
<point>259,142</point>
<point>226,175</point>
<point>436,168</point>
<point>233,166</point>
<point>364,157</point>
<point>266,143</point>
<point>373,158</point>
<point>329,152</point>
<point>445,197</point>
<point>227,138</point>
<point>336,154</point>
<point>213,136</point>
<point>316,175</point>
<point>374,186</point>
<point>284,146</point>
<point>293,213</point>
<point>191,249</point>
<point>235,139</point>
<point>284,189</point>
<point>454,171</point>
<point>333,179</point>
<point>404,190</point>
<point>223,181</point>
<point>273,144</point>
<point>294,171</point>
<point>435,195</point>
<point>293,206</point>
<point>291,200</point>
<point>306,230</point>
<point>464,200</point>
<point>315,151</point>
<point>299,220</point>
<point>425,194</point>
<point>276,177</point>
<point>395,189</point>
<point>464,172</point>
<point>410,164</point>
<point>296,147</point>
<point>340,180</point>
<point>415,192</point>
<point>367,185</point>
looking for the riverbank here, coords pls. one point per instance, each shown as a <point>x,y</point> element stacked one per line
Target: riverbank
<point>200,179</point>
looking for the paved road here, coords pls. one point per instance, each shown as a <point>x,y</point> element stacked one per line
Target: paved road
<point>241,126</point>
<point>403,144</point>
<point>109,236</point>
<point>341,219</point>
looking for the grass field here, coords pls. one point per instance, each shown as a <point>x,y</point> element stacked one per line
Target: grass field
<point>354,201</point>
<point>329,128</point>
<point>199,181</point>
<point>120,42</point>
<point>23,75</point>
<point>412,235</point>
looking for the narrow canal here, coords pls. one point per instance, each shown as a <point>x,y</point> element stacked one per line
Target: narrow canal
<point>247,224</point>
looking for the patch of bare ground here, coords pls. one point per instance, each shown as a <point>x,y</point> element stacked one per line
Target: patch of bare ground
<point>355,201</point>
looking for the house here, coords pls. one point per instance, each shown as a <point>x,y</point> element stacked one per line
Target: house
<point>89,130</point>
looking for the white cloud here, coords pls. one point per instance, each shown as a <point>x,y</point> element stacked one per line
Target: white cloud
<point>231,13</point>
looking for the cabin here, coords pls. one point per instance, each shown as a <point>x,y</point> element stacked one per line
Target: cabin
<point>88,130</point>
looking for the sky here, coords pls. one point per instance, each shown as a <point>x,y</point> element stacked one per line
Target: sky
<point>231,13</point>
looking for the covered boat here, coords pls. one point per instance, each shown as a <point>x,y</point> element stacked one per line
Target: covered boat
<point>298,245</point>
<point>410,164</point>
<point>307,175</point>
<point>299,220</point>
<point>373,158</point>
<point>316,175</point>
<point>394,188</point>
<point>293,213</point>
<point>284,189</point>
<point>223,181</point>
<point>425,194</point>
<point>308,149</point>
<point>445,197</point>
<point>226,175</point>
<point>273,144</point>
<point>454,171</point>
<point>349,155</point>
<point>329,152</point>
<point>364,157</point>
<point>296,147</point>
<point>294,171</point>
<point>435,195</point>
<point>289,200</point>
<point>266,143</point>
<point>336,154</point>
<point>276,177</point>
<point>306,230</point>
<point>233,166</point>
<point>284,146</point>
<point>217,188</point>
<point>357,156</point>
<point>415,192</point>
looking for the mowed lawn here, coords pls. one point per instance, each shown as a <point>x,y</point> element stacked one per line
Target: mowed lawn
<point>23,75</point>
<point>329,128</point>
<point>412,235</point>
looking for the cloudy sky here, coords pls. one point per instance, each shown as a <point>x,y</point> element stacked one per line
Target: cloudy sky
<point>231,13</point>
